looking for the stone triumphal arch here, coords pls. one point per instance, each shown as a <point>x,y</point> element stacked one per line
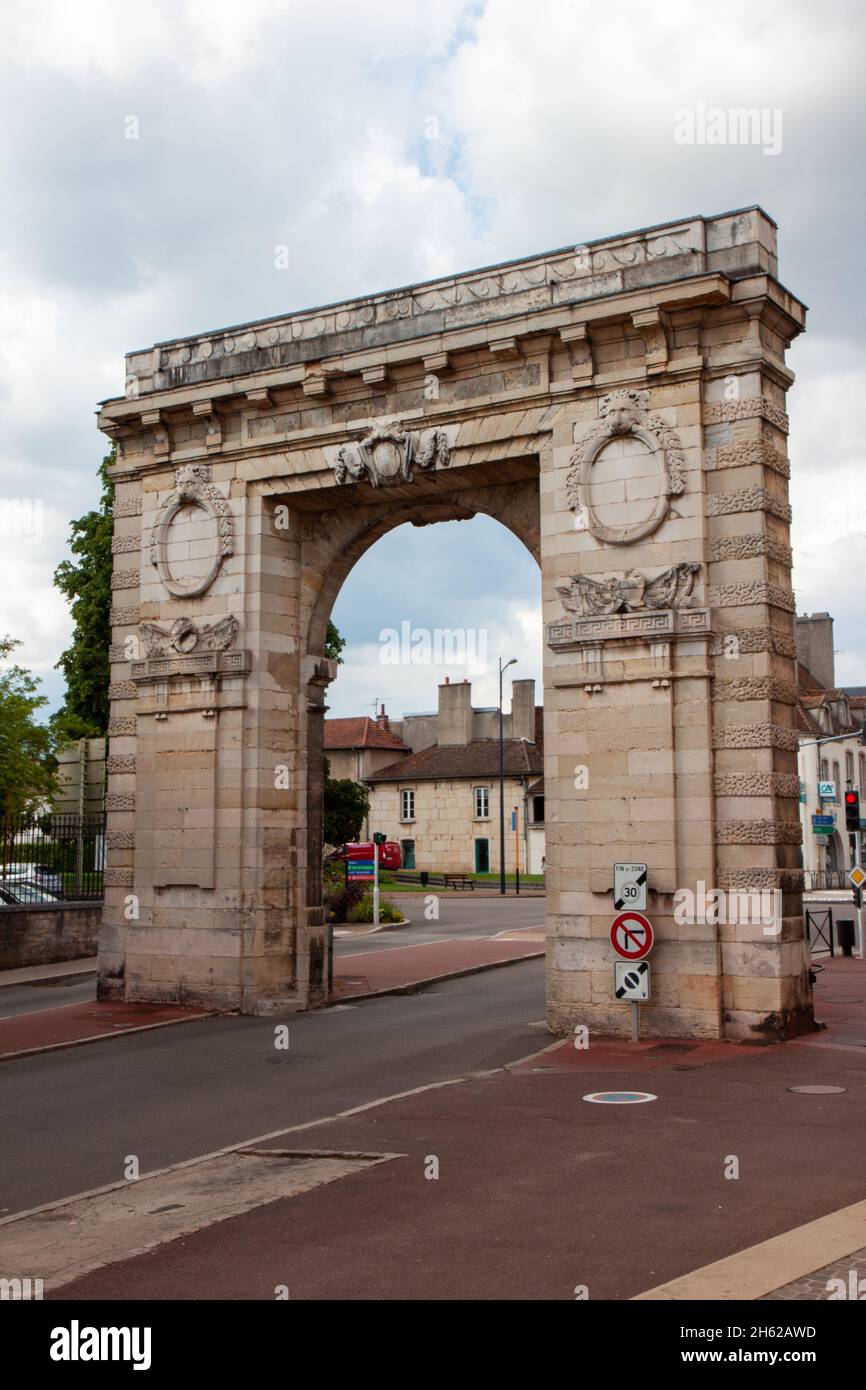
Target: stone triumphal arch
<point>620,407</point>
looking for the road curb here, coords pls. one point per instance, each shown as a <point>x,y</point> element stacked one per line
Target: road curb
<point>414,986</point>
<point>108,1037</point>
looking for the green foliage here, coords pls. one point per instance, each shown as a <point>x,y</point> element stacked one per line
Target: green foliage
<point>85,582</point>
<point>340,896</point>
<point>27,766</point>
<point>334,644</point>
<point>346,805</point>
<point>363,910</point>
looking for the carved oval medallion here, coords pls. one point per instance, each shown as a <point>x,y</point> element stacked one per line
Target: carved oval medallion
<point>195,495</point>
<point>624,489</point>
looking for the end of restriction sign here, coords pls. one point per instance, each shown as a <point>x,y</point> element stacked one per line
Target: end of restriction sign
<point>629,886</point>
<point>631,982</point>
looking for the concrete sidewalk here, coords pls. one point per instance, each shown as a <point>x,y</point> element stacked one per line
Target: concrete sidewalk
<point>539,1193</point>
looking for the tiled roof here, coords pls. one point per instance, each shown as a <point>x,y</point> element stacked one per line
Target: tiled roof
<point>448,762</point>
<point>360,732</point>
<point>812,696</point>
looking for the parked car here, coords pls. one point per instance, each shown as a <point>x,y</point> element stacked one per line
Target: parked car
<point>37,873</point>
<point>19,891</point>
<point>390,856</point>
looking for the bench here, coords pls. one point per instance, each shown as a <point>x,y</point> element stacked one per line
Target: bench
<point>437,880</point>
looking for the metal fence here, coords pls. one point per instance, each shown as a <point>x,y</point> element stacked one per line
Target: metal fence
<point>819,880</point>
<point>63,854</point>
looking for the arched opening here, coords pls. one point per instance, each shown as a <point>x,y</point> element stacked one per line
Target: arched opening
<point>443,590</point>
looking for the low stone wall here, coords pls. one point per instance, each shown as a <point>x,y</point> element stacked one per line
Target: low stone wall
<point>40,935</point>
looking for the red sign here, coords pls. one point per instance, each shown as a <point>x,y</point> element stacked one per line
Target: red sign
<point>631,935</point>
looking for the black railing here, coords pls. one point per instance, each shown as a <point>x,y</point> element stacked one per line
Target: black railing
<point>819,880</point>
<point>62,855</point>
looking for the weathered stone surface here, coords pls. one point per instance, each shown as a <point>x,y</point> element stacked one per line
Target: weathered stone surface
<point>759,408</point>
<point>751,591</point>
<point>122,690</point>
<point>120,839</point>
<point>750,546</point>
<point>748,499</point>
<point>750,640</point>
<point>120,725</point>
<point>750,451</point>
<point>115,764</point>
<point>759,832</point>
<point>127,506</point>
<point>120,617</point>
<point>783,784</point>
<point>756,736</point>
<point>125,579</point>
<point>579,398</point>
<point>756,688</point>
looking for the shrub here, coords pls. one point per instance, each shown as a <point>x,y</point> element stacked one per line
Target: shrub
<point>363,910</point>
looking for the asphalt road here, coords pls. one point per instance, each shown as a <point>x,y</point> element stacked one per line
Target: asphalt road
<point>31,998</point>
<point>458,917</point>
<point>179,1092</point>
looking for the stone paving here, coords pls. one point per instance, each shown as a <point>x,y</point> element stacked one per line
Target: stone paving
<point>816,1286</point>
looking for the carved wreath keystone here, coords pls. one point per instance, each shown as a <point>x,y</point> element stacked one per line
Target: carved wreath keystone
<point>192,486</point>
<point>626,413</point>
<point>388,454</point>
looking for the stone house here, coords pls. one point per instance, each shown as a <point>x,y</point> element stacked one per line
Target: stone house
<point>359,746</point>
<point>441,799</point>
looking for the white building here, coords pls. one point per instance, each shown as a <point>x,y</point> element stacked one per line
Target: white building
<point>832,757</point>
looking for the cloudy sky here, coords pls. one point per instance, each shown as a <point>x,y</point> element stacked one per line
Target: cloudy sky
<point>308,124</point>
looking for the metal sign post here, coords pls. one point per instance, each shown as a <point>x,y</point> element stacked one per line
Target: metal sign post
<point>375,882</point>
<point>857,878</point>
<point>631,936</point>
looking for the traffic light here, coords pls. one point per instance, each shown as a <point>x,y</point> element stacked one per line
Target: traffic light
<point>852,810</point>
<point>380,838</point>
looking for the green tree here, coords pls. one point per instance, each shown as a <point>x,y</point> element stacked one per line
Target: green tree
<point>27,766</point>
<point>85,581</point>
<point>346,805</point>
<point>334,644</point>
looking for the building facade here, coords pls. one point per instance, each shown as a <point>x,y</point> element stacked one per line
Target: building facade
<point>831,758</point>
<point>440,797</point>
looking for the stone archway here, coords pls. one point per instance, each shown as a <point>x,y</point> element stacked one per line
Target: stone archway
<point>349,533</point>
<point>621,410</point>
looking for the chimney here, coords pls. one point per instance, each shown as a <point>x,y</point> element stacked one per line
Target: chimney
<point>814,634</point>
<point>382,719</point>
<point>454,721</point>
<point>523,710</point>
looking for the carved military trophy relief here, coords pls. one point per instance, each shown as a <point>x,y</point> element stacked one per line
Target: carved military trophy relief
<point>182,646</point>
<point>631,592</point>
<point>603,606</point>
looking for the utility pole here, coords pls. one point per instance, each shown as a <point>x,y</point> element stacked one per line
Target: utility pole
<point>502,669</point>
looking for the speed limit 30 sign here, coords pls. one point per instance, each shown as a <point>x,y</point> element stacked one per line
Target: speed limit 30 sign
<point>631,935</point>
<point>629,886</point>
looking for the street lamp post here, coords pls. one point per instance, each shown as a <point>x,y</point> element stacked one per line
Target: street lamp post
<point>502,669</point>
